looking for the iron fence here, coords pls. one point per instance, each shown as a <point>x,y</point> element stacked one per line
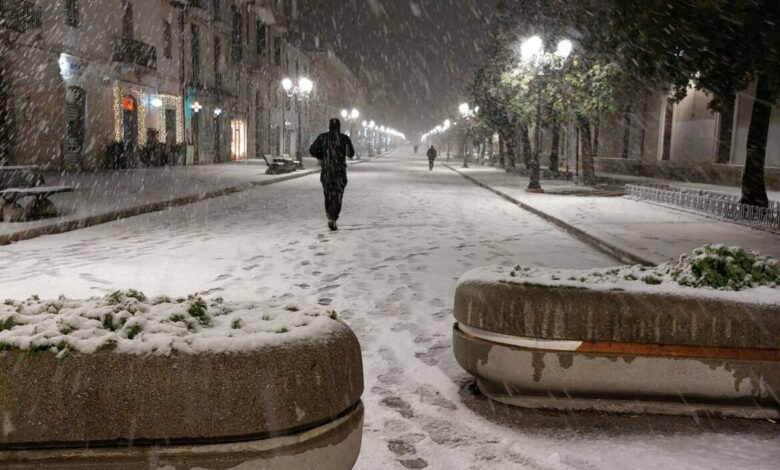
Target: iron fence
<point>719,205</point>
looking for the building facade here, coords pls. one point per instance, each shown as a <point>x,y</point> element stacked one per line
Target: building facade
<point>656,137</point>
<point>203,78</point>
<point>78,76</point>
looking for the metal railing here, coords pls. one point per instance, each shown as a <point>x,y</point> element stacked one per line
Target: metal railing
<point>130,51</point>
<point>20,15</point>
<point>719,205</point>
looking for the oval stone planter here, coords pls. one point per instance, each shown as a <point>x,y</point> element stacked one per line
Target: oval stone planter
<point>290,405</point>
<point>646,350</point>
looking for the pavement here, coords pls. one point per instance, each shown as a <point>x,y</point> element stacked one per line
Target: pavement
<point>105,196</point>
<point>635,231</point>
<point>390,273</point>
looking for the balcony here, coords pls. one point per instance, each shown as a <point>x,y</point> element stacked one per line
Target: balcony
<point>130,51</point>
<point>20,15</point>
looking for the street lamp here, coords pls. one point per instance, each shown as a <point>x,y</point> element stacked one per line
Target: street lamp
<point>467,113</point>
<point>299,92</point>
<point>351,117</point>
<point>536,60</point>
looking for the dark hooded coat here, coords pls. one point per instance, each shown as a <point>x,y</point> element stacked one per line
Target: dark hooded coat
<point>332,149</point>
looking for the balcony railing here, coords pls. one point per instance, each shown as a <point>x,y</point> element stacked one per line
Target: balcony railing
<point>130,51</point>
<point>20,15</point>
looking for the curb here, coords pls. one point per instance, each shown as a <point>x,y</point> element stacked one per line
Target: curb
<point>608,249</point>
<point>112,216</point>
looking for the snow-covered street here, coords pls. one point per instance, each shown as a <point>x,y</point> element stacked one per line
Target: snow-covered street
<point>406,235</point>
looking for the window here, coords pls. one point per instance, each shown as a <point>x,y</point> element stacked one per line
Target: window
<point>72,13</point>
<point>216,6</point>
<point>167,39</point>
<point>127,20</point>
<point>217,56</point>
<point>278,52</point>
<point>237,34</point>
<point>262,41</point>
<point>195,43</point>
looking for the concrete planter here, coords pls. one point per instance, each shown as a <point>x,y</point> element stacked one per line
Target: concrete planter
<point>613,350</point>
<point>290,406</point>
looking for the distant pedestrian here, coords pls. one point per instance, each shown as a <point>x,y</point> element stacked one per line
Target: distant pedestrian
<point>416,148</point>
<point>432,154</point>
<point>332,150</point>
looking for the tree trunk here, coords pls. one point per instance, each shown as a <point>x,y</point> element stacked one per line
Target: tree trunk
<point>626,152</point>
<point>555,145</point>
<point>596,132</point>
<point>483,150</point>
<point>501,153</point>
<point>588,171</point>
<point>725,132</point>
<point>511,151</point>
<point>527,150</point>
<point>753,185</point>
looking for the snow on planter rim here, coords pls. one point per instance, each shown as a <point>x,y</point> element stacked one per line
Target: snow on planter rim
<point>128,322</point>
<point>669,278</point>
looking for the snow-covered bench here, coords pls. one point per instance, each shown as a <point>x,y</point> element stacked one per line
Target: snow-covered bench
<point>13,208</point>
<point>123,380</point>
<point>19,183</point>
<point>619,340</point>
<point>283,165</point>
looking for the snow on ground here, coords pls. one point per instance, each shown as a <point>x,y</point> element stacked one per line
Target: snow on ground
<point>657,233</point>
<point>111,190</point>
<point>390,273</point>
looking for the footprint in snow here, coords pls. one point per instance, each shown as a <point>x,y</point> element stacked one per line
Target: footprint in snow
<point>398,404</point>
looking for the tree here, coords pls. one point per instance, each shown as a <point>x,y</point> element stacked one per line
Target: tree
<point>720,47</point>
<point>588,88</point>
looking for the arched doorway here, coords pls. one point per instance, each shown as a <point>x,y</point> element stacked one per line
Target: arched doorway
<point>130,126</point>
<point>75,111</point>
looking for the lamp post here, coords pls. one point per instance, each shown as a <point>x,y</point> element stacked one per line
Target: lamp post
<point>351,117</point>
<point>299,93</point>
<point>447,125</point>
<point>467,113</point>
<point>372,130</point>
<point>536,60</point>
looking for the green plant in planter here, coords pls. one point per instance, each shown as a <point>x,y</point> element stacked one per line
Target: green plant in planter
<point>729,268</point>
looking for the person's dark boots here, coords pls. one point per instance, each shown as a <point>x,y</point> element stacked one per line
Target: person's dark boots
<point>332,225</point>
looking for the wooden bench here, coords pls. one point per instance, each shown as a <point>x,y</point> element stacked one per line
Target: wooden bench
<point>21,182</point>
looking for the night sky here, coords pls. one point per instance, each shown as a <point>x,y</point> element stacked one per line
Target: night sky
<point>415,57</point>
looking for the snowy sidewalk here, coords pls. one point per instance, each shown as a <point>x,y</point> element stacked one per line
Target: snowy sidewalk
<point>646,231</point>
<point>111,195</point>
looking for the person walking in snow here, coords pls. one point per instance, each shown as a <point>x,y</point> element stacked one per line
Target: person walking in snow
<point>432,154</point>
<point>416,147</point>
<point>332,149</point>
